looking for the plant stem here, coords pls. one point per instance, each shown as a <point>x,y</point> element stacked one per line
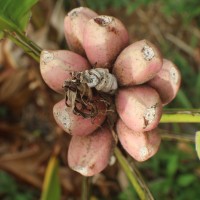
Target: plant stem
<point>197,143</point>
<point>25,43</point>
<point>81,3</point>
<point>134,176</point>
<point>181,116</point>
<point>168,135</point>
<point>85,188</point>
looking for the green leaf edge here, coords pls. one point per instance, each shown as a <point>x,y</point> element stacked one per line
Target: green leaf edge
<point>197,143</point>
<point>15,23</point>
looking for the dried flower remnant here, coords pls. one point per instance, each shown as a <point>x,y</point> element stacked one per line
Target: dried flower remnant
<point>101,79</point>
<point>149,115</point>
<point>64,119</point>
<point>148,52</point>
<point>47,57</point>
<point>174,75</point>
<point>144,152</point>
<point>79,90</point>
<point>74,13</point>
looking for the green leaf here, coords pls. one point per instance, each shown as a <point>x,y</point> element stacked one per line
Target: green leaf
<point>172,165</point>
<point>15,14</point>
<point>51,186</point>
<point>1,35</point>
<point>197,143</point>
<point>183,99</point>
<point>185,180</point>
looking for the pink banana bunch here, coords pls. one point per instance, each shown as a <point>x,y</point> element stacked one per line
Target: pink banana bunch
<point>107,84</point>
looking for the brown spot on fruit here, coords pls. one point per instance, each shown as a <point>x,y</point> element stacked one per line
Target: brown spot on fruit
<point>103,20</point>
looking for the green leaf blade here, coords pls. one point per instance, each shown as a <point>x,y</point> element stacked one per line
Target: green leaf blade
<point>197,143</point>
<point>15,14</point>
<point>51,186</point>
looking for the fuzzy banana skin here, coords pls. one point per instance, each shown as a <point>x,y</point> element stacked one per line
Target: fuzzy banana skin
<point>137,63</point>
<point>89,155</point>
<point>139,107</point>
<point>167,81</point>
<point>140,145</point>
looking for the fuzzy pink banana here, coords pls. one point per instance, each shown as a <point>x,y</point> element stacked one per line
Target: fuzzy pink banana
<point>104,38</point>
<point>56,67</point>
<point>74,25</point>
<point>140,145</point>
<point>139,107</point>
<point>167,81</point>
<point>89,155</point>
<point>137,63</point>
<point>75,124</point>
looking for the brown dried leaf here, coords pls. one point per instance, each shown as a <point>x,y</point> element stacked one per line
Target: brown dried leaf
<point>57,18</point>
<point>14,90</point>
<point>25,165</point>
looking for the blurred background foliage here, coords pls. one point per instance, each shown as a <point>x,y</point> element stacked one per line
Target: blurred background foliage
<point>28,133</point>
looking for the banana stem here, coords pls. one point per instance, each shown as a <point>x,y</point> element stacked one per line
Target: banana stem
<point>25,43</point>
<point>168,135</point>
<point>181,116</point>
<point>134,176</point>
<point>85,188</point>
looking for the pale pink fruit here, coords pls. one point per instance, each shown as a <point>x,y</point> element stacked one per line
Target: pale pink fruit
<point>78,125</point>
<point>137,63</point>
<point>90,154</point>
<point>104,38</point>
<point>167,81</point>
<point>74,25</point>
<point>56,67</point>
<point>139,107</point>
<point>140,145</point>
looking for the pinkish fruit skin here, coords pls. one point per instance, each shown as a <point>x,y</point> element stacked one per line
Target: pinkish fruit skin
<point>139,107</point>
<point>104,38</point>
<point>74,25</point>
<point>167,81</point>
<point>77,125</point>
<point>137,63</point>
<point>90,154</point>
<point>140,145</point>
<point>56,67</point>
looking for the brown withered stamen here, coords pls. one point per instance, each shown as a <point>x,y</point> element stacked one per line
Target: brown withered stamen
<point>78,96</point>
<point>79,92</point>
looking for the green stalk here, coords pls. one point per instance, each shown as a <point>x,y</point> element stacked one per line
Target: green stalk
<point>168,135</point>
<point>181,116</point>
<point>85,188</point>
<point>197,143</point>
<point>134,176</point>
<point>25,43</point>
